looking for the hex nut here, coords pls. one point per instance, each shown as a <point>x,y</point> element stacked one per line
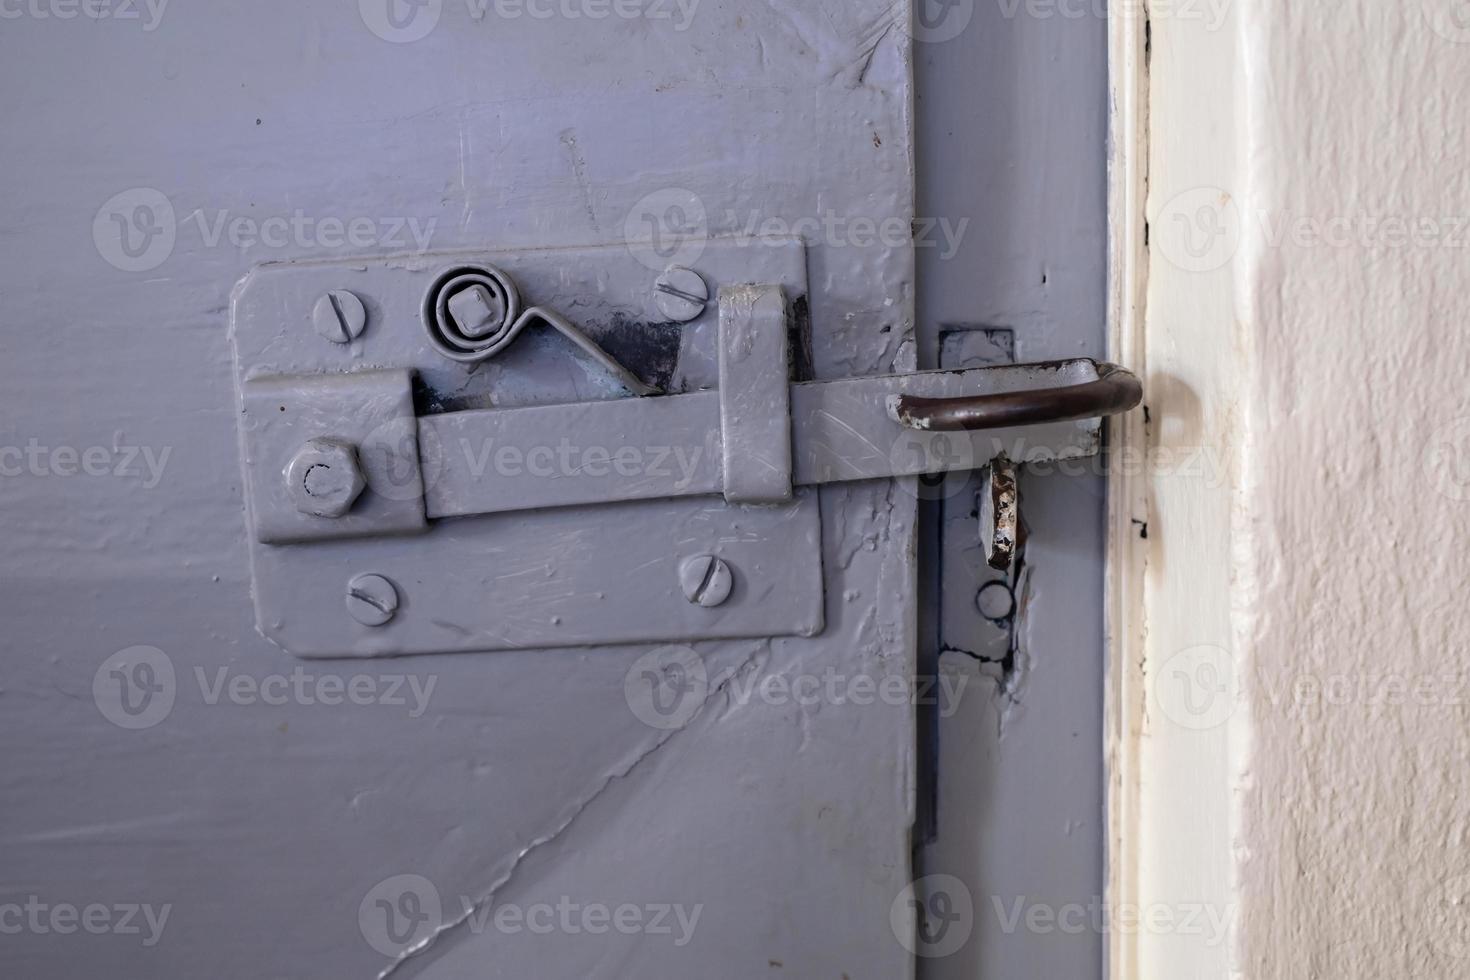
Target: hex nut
<point>325,478</point>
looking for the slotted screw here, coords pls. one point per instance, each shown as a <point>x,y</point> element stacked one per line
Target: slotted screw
<point>339,316</point>
<point>681,294</point>
<point>706,580</point>
<point>372,600</point>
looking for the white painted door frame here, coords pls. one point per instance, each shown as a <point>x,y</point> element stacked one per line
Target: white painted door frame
<point>1127,495</point>
<point>1170,898</point>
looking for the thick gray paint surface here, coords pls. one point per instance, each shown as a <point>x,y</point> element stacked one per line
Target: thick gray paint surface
<point>267,828</point>
<point>1012,129</point>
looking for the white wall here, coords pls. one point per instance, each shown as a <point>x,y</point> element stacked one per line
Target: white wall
<point>1302,761</point>
<point>1356,501</point>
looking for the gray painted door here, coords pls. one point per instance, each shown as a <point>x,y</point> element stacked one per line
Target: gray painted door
<point>1012,135</point>
<point>212,806</point>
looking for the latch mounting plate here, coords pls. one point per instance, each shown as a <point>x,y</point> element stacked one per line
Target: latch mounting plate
<point>578,576</point>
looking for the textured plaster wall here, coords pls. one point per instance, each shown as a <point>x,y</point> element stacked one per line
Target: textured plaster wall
<point>1353,623</point>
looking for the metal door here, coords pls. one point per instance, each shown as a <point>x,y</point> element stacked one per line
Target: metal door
<point>624,731</point>
<point>1012,135</point>
<point>283,817</point>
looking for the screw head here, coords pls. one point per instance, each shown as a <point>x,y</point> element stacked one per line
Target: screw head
<point>372,600</point>
<point>477,312</point>
<point>325,478</point>
<point>339,316</point>
<point>706,580</point>
<point>681,294</point>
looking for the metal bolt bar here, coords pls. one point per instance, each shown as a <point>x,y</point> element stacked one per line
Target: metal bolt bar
<point>1114,392</point>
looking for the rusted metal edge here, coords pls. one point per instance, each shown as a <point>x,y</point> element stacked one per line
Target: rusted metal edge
<point>1114,392</point>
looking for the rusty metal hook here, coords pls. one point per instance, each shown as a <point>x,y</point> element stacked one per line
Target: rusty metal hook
<point>1114,392</point>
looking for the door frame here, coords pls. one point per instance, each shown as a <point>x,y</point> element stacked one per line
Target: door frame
<point>1126,554</point>
<point>1177,94</point>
